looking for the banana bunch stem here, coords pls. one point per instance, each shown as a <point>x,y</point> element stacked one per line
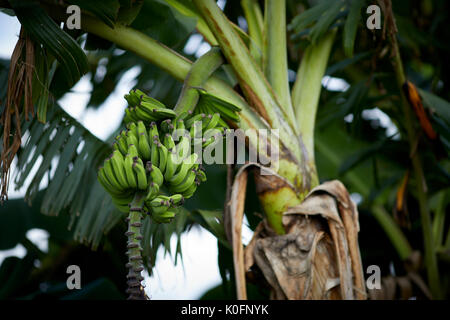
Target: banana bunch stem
<point>200,71</point>
<point>134,249</point>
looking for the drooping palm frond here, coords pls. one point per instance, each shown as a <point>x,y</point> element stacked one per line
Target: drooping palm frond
<point>67,154</point>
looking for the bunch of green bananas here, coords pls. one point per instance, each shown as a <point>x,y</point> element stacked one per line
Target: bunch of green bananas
<point>146,158</point>
<point>145,108</point>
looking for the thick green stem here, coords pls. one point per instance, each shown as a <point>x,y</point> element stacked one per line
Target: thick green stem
<point>201,70</point>
<point>251,79</point>
<point>439,219</point>
<point>430,254</point>
<point>134,249</point>
<point>275,55</point>
<point>393,232</point>
<point>255,23</point>
<point>202,27</point>
<point>307,87</point>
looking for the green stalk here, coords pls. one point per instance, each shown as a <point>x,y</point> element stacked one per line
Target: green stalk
<point>393,232</point>
<point>255,23</point>
<point>202,27</point>
<point>430,254</point>
<point>439,219</point>
<point>307,87</point>
<point>251,79</point>
<point>275,55</point>
<point>200,71</point>
<point>134,253</point>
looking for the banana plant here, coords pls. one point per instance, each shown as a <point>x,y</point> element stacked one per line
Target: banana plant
<point>243,82</point>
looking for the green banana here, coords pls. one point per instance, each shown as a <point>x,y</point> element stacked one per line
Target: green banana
<point>214,120</point>
<point>101,176</point>
<point>133,151</point>
<point>176,199</point>
<point>198,117</point>
<point>132,138</point>
<point>201,175</point>
<point>185,166</point>
<point>144,147</point>
<point>122,144</point>
<point>189,192</point>
<point>167,126</point>
<point>168,141</point>
<point>162,157</point>
<point>185,184</point>
<point>109,173</point>
<point>129,172</point>
<point>132,127</point>
<point>155,174</point>
<point>143,115</point>
<point>140,174</point>
<point>164,217</point>
<point>171,167</point>
<point>132,98</point>
<point>154,154</point>
<point>152,192</point>
<point>118,167</point>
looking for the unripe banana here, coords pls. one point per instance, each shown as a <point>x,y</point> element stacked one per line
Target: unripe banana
<point>119,169</point>
<point>145,150</point>
<point>132,98</point>
<point>171,167</point>
<point>133,151</point>
<point>185,184</point>
<point>168,141</point>
<point>153,133</point>
<point>155,174</point>
<point>146,98</point>
<point>185,166</point>
<point>201,175</point>
<point>176,199</point>
<point>214,120</point>
<point>109,173</point>
<point>130,115</point>
<point>132,138</point>
<point>154,154</point>
<point>132,127</point>
<point>167,126</point>
<point>197,118</point>
<point>166,216</point>
<point>141,114</point>
<point>101,176</point>
<point>152,192</point>
<point>162,157</point>
<point>190,191</point>
<point>157,111</point>
<point>129,172</point>
<point>122,144</point>
<point>141,175</point>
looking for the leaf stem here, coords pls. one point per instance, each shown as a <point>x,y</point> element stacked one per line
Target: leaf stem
<point>255,22</point>
<point>251,79</point>
<point>394,233</point>
<point>307,87</point>
<point>275,55</point>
